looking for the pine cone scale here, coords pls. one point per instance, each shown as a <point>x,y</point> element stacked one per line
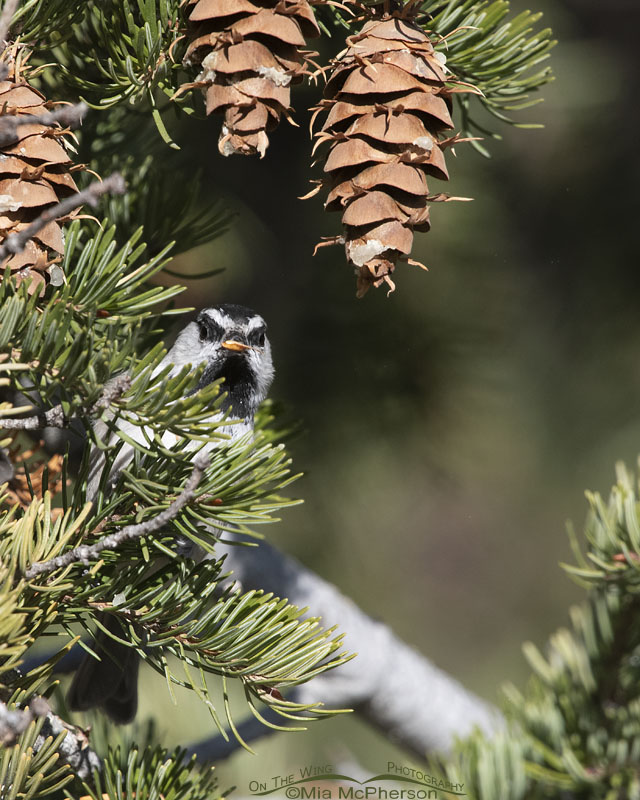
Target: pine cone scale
<point>51,236</point>
<point>400,176</point>
<point>400,129</point>
<point>371,208</point>
<point>206,10</point>
<point>268,23</point>
<point>39,148</point>
<point>245,119</point>
<point>27,194</point>
<point>379,79</point>
<point>19,97</point>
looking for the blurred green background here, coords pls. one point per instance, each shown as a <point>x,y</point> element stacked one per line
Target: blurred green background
<point>451,429</point>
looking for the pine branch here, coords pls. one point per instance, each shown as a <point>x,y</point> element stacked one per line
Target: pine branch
<point>130,58</point>
<point>14,723</point>
<point>8,10</point>
<point>72,749</point>
<point>131,771</point>
<point>389,684</point>
<point>114,389</point>
<point>84,553</point>
<point>53,418</point>
<point>56,418</point>
<point>67,116</point>
<point>18,241</point>
<point>575,729</point>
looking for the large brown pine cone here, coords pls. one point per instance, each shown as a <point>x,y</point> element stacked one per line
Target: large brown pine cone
<point>35,173</point>
<point>388,105</point>
<point>249,53</point>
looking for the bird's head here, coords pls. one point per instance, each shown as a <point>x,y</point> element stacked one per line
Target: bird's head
<point>232,342</point>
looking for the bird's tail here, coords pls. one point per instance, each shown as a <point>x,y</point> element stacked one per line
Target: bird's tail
<point>110,683</point>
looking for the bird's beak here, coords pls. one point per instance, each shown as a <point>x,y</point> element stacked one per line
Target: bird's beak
<point>232,344</point>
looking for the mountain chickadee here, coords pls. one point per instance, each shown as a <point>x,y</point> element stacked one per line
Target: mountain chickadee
<point>231,340</point>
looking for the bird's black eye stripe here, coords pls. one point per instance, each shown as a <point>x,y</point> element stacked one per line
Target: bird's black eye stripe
<point>257,337</point>
<point>208,329</point>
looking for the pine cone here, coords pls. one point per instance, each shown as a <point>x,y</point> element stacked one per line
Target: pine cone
<point>250,54</point>
<point>388,105</point>
<point>22,490</point>
<point>35,172</point>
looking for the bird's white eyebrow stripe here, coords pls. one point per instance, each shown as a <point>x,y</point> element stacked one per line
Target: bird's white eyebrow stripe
<point>220,319</point>
<point>225,321</point>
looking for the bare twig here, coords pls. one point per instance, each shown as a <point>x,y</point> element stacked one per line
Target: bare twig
<point>8,10</point>
<point>68,116</point>
<point>53,418</point>
<point>14,723</point>
<point>16,243</point>
<point>113,390</point>
<point>74,749</point>
<point>56,418</point>
<point>84,553</point>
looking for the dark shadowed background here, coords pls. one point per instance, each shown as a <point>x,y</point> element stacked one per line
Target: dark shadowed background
<point>451,429</point>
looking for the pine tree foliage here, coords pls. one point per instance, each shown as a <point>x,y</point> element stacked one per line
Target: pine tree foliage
<point>60,348</point>
<point>149,774</point>
<point>31,768</point>
<point>131,41</point>
<point>575,730</point>
<point>179,609</point>
<point>162,54</point>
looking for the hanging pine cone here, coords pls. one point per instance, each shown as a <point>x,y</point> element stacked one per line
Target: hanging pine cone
<point>388,105</point>
<point>35,173</point>
<point>249,54</point>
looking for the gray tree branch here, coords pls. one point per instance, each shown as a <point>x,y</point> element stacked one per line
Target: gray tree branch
<point>16,243</point>
<point>8,10</point>
<point>56,418</point>
<point>74,749</point>
<point>85,553</point>
<point>391,685</point>
<point>14,723</point>
<point>52,418</point>
<point>68,116</point>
